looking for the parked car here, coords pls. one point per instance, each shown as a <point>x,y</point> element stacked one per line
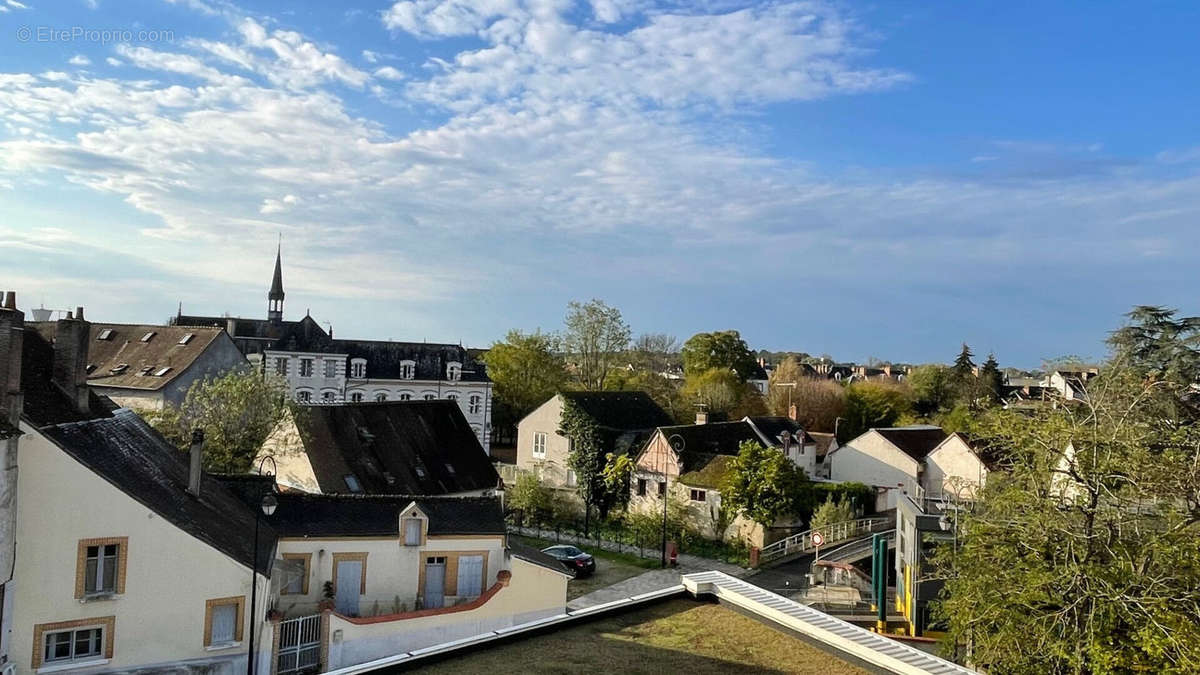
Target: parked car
<point>576,561</point>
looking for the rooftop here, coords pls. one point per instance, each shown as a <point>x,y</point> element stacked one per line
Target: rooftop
<point>622,410</point>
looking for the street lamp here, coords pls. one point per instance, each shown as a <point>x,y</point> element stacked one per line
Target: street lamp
<point>267,506</point>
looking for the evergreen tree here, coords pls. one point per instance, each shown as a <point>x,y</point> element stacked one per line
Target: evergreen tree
<point>964,366</point>
<point>991,380</point>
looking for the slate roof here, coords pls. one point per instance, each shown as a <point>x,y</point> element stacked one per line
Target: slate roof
<point>395,447</point>
<point>916,441</point>
<point>623,410</point>
<point>44,402</point>
<point>772,426</point>
<point>308,515</point>
<point>142,359</point>
<point>303,335</point>
<point>536,557</point>
<point>126,452</point>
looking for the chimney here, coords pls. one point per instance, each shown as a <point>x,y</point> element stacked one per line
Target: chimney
<point>195,467</point>
<point>701,417</point>
<point>794,412</point>
<point>71,336</point>
<point>12,332</point>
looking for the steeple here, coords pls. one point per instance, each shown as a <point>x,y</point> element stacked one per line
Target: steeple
<point>275,297</point>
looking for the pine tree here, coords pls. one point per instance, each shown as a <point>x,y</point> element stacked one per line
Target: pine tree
<point>991,380</point>
<point>963,366</point>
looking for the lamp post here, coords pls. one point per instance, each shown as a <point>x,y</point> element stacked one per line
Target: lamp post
<point>267,507</point>
<point>677,443</point>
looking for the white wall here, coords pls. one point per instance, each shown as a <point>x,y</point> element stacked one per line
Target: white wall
<point>953,469</point>
<point>873,460</point>
<point>545,419</point>
<point>169,573</point>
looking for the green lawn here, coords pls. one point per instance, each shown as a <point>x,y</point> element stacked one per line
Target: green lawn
<point>610,567</point>
<point>678,636</point>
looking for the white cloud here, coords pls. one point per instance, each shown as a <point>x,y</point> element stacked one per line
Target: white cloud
<point>278,205</point>
<point>370,56</point>
<point>444,18</point>
<point>80,60</point>
<point>114,62</point>
<point>389,73</point>
<point>18,5</point>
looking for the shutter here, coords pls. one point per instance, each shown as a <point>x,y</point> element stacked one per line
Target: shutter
<point>470,576</point>
<point>224,623</point>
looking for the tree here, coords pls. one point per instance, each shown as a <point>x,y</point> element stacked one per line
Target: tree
<point>602,477</point>
<point>1081,556</point>
<point>527,369</point>
<point>781,385</point>
<point>721,391</point>
<point>819,403</point>
<point>1155,343</point>
<point>763,484</point>
<point>933,388</point>
<point>832,512</point>
<point>654,352</point>
<point>991,381</point>
<point>873,404</point>
<point>722,350</point>
<point>964,367</point>
<point>236,411</point>
<point>595,337</point>
<point>534,500</point>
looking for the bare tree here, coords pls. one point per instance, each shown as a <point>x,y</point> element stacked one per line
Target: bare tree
<point>595,337</point>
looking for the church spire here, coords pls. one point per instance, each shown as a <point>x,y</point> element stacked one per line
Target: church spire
<point>275,297</point>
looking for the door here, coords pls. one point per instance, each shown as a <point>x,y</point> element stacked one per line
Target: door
<point>435,582</point>
<point>470,576</point>
<point>349,575</point>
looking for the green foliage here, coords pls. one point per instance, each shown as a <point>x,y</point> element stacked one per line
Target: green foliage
<point>959,419</point>
<point>721,391</point>
<point>527,369</point>
<point>665,392</point>
<point>595,336</point>
<point>964,366</point>
<point>991,381</point>
<point>763,484</point>
<point>590,460</point>
<point>832,512</point>
<point>933,388</point>
<point>873,404</point>
<point>1081,557</point>
<point>236,411</point>
<point>720,350</point>
<point>1157,344</point>
<point>534,500</point>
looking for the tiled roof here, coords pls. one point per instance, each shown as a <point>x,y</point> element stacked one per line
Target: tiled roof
<point>133,355</point>
<point>135,459</point>
<point>624,410</point>
<point>300,515</point>
<point>405,447</point>
<point>916,441</point>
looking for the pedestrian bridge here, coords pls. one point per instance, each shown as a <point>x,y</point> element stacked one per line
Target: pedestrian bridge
<point>802,544</point>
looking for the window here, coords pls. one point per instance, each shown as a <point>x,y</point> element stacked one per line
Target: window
<point>146,370</point>
<point>539,445</point>
<point>223,619</point>
<point>450,468</point>
<point>162,371</point>
<point>475,404</point>
<point>119,368</point>
<point>453,371</point>
<point>306,367</point>
<point>429,397</point>
<point>352,483</point>
<point>379,398</point>
<point>100,567</point>
<point>297,581</point>
<point>641,487</point>
<point>186,338</point>
<point>662,488</point>
<point>572,479</point>
<point>304,396</point>
<point>66,642</point>
<point>699,496</point>
<point>327,396</point>
<point>105,334</point>
<point>412,532</point>
<point>358,368</point>
<point>281,365</point>
<point>148,336</point>
<point>408,370</point>
<point>331,368</point>
<point>357,397</point>
<point>405,397</point>
<point>451,397</point>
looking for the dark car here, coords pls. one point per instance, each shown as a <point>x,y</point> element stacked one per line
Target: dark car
<point>576,561</point>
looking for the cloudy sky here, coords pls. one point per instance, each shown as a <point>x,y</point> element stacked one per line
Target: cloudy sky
<point>884,179</point>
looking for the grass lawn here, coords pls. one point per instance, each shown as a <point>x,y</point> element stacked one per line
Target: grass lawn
<point>610,568</point>
<point>678,636</point>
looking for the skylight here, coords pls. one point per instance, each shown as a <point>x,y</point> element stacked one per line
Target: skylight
<point>450,468</point>
<point>146,371</point>
<point>119,368</point>
<point>186,338</point>
<point>105,334</point>
<point>352,483</point>
<point>149,336</point>
<point>162,371</point>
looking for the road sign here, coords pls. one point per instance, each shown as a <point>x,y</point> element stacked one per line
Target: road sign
<point>817,538</point>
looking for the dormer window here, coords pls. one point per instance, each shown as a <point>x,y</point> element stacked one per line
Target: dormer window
<point>408,369</point>
<point>358,368</point>
<point>453,371</point>
<point>119,368</point>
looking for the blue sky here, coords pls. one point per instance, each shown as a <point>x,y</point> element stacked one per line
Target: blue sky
<point>884,179</point>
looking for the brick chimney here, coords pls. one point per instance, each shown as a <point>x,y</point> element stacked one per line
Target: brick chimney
<point>196,462</point>
<point>12,332</point>
<point>71,337</point>
<point>794,412</point>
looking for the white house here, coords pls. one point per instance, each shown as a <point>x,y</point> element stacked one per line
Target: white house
<point>319,368</point>
<point>921,459</point>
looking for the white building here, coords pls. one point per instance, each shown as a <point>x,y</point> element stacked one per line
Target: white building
<point>922,460</point>
<point>319,368</point>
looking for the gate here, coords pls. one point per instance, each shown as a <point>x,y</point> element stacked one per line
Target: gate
<point>299,645</point>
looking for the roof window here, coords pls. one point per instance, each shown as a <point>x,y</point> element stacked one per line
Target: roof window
<point>149,336</point>
<point>105,334</point>
<point>90,368</point>
<point>450,468</point>
<point>352,483</point>
<point>162,371</point>
<point>186,338</point>
<point>119,368</point>
<point>146,370</point>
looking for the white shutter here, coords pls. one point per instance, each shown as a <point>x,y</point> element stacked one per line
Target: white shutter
<point>412,532</point>
<point>470,576</point>
<point>224,624</point>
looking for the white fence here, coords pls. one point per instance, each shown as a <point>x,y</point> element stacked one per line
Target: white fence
<point>837,532</point>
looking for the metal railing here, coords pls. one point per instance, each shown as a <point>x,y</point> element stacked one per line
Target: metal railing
<point>834,533</point>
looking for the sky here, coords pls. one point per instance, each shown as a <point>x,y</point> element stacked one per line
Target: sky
<point>882,180</point>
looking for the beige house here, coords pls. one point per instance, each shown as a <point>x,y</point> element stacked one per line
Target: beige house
<point>625,418</point>
<point>922,460</point>
<point>146,366</point>
<point>691,462</point>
